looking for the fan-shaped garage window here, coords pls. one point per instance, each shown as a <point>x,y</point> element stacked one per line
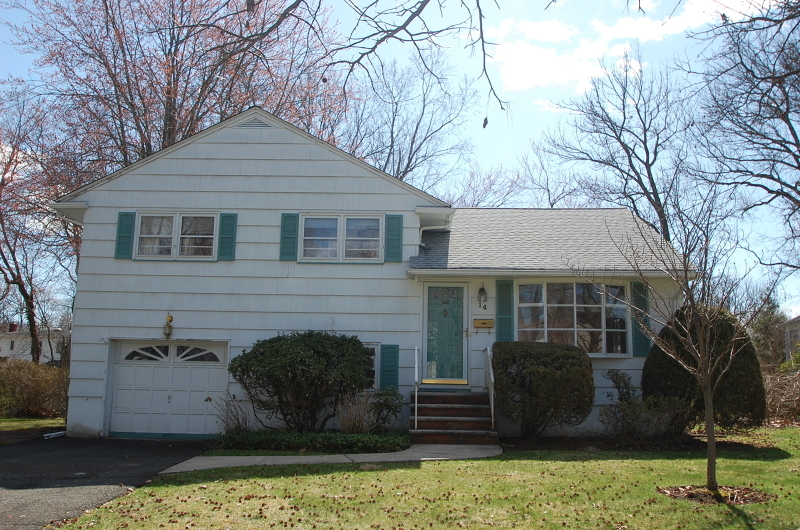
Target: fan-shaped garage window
<point>195,353</point>
<point>149,353</point>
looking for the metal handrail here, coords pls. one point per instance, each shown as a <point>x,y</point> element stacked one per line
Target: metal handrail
<point>489,379</point>
<point>416,385</point>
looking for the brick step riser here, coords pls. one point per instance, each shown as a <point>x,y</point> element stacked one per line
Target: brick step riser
<point>454,412</point>
<point>475,439</point>
<point>466,399</point>
<point>453,425</point>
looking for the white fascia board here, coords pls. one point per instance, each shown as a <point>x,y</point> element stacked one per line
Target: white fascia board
<point>70,211</point>
<point>434,216</point>
<point>429,274</point>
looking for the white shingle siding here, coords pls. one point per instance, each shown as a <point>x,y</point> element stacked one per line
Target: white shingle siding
<point>260,173</point>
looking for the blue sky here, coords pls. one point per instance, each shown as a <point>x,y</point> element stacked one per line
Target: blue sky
<point>543,56</point>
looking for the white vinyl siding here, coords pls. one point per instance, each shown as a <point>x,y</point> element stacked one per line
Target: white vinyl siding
<point>260,174</point>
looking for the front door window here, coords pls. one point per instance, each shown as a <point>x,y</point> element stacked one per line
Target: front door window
<point>445,341</point>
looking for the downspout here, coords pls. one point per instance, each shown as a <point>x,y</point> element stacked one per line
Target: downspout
<point>430,228</point>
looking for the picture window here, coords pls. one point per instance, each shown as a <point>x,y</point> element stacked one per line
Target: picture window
<point>592,317</point>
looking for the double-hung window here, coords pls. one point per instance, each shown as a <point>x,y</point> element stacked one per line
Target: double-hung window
<point>595,318</point>
<point>176,236</point>
<point>341,238</point>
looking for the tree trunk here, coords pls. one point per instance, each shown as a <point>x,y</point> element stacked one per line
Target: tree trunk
<point>33,329</point>
<point>711,441</point>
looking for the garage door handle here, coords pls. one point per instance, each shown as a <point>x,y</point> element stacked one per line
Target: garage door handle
<point>169,398</point>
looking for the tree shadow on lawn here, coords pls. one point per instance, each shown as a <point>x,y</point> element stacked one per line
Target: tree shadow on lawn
<point>280,471</point>
<point>572,449</point>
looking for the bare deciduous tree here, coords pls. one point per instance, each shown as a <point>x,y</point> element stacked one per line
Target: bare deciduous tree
<point>752,125</point>
<point>547,185</point>
<point>408,121</point>
<point>623,142</point>
<point>700,274</point>
<point>131,78</point>
<point>493,187</point>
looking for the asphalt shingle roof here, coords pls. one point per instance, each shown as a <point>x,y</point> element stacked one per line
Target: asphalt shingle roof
<point>538,239</point>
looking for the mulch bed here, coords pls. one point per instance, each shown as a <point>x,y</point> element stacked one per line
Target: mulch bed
<point>727,495</point>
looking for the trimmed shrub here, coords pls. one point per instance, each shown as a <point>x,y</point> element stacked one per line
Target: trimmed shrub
<point>300,377</point>
<point>33,390</point>
<point>324,442</point>
<point>739,398</point>
<point>542,384</point>
<point>633,419</point>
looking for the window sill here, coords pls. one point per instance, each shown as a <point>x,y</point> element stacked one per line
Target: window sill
<point>610,355</point>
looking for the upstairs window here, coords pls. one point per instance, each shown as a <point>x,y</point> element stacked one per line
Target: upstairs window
<point>341,238</point>
<point>176,236</point>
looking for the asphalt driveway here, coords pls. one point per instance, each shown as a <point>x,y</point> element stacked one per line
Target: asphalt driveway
<point>49,480</point>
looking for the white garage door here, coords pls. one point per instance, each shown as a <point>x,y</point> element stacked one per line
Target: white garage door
<point>168,387</point>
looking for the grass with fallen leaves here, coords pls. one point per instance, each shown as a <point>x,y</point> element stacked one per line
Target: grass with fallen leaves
<point>520,489</point>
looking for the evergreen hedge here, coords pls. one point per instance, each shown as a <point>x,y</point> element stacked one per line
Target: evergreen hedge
<point>324,442</point>
<point>300,377</point>
<point>542,384</point>
<point>739,400</point>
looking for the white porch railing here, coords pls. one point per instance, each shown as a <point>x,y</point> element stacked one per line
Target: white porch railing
<point>416,385</point>
<point>489,379</point>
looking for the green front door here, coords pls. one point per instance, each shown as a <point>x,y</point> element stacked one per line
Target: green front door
<point>445,346</point>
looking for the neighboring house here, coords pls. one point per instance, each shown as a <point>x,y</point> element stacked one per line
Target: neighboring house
<point>16,343</point>
<point>792,330</point>
<point>253,227</point>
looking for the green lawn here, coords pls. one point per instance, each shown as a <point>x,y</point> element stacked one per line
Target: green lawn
<point>520,489</point>
<point>19,424</point>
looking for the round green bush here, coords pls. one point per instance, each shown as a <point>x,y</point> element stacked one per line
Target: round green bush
<point>739,399</point>
<point>300,377</point>
<point>542,384</point>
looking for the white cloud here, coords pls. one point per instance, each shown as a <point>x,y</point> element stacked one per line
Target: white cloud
<point>545,105</point>
<point>532,54</point>
<point>543,31</point>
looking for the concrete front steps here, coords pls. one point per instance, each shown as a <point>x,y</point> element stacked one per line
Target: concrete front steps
<point>452,418</point>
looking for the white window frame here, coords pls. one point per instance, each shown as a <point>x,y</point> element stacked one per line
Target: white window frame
<point>604,305</point>
<point>376,362</point>
<point>341,238</point>
<point>176,236</point>
<point>218,348</point>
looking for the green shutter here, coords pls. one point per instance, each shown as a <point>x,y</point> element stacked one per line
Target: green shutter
<point>290,224</point>
<point>126,223</point>
<point>394,238</point>
<point>505,310</point>
<point>227,237</point>
<point>641,344</point>
<point>390,362</point>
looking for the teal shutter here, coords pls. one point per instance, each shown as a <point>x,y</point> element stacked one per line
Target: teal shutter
<point>641,344</point>
<point>290,225</point>
<point>505,310</point>
<point>126,223</point>
<point>394,238</point>
<point>226,250</point>
<point>390,362</point>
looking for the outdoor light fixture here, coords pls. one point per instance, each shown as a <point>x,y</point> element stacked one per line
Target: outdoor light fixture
<point>168,326</point>
<point>482,297</point>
